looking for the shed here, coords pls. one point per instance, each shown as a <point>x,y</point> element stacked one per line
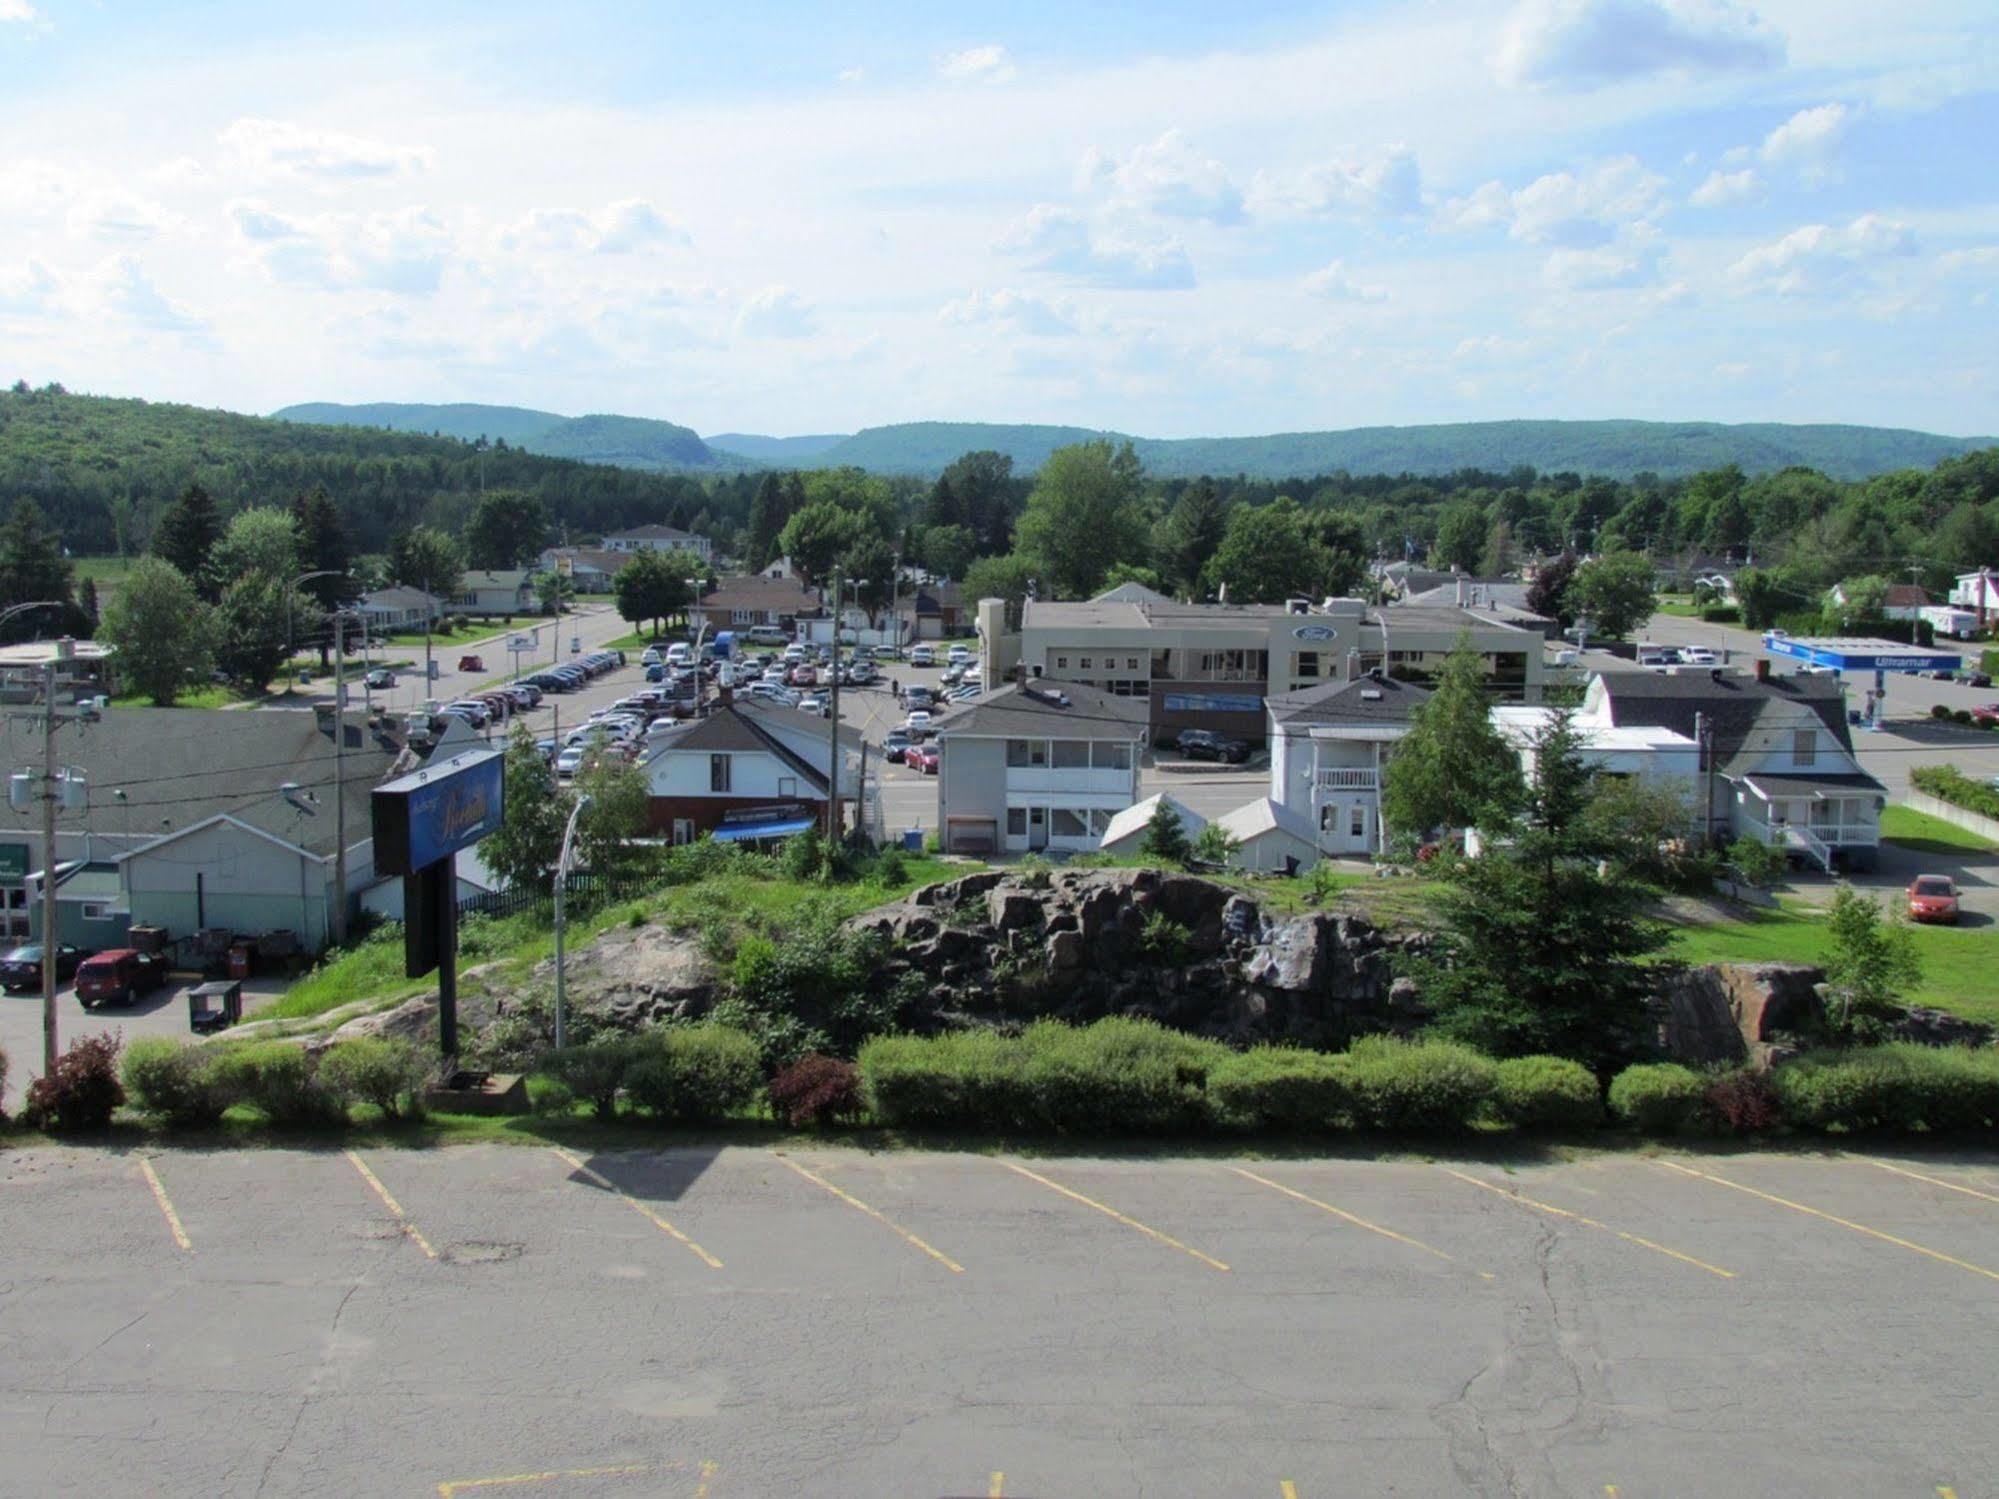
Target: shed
<point>1127,828</point>
<point>1268,835</point>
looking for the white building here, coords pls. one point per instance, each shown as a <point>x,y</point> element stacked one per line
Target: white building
<point>1126,831</point>
<point>660,539</point>
<point>1270,837</point>
<point>1648,751</point>
<point>1327,749</point>
<point>1037,765</point>
<point>745,772</point>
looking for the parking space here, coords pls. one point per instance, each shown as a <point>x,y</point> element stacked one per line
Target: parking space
<point>744,1321</point>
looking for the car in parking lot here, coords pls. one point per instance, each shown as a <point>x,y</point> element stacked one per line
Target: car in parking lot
<point>1206,744</point>
<point>1985,713</point>
<point>570,761</point>
<point>21,967</point>
<point>894,743</point>
<point>119,975</point>
<point>471,663</point>
<point>916,725</point>
<point>471,710</point>
<point>814,704</point>
<point>379,680</point>
<point>804,676</point>
<point>923,758</point>
<point>922,655</point>
<point>1933,897</point>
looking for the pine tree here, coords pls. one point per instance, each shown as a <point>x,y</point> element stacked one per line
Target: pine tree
<point>186,536</point>
<point>33,568</point>
<point>1165,836</point>
<point>769,510</point>
<point>1191,534</point>
<point>1452,769</point>
<point>944,508</point>
<point>86,599</point>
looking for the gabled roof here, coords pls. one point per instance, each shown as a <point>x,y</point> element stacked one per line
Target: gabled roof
<point>1134,818</point>
<point>1060,710</point>
<point>1906,596</point>
<point>785,595</point>
<point>1254,819</point>
<point>739,729</point>
<point>1748,718</point>
<point>486,580</point>
<point>1361,701</point>
<point>400,598</point>
<point>652,533</point>
<point>1131,593</point>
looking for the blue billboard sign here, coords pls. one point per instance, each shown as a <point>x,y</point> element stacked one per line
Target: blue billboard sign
<point>430,814</point>
<point>1859,655</point>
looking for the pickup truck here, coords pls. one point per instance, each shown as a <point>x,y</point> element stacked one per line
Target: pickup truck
<point>121,974</point>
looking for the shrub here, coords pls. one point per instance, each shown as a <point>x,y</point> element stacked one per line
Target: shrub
<point>809,988</point>
<point>1117,1076</point>
<point>1659,1098</point>
<point>693,1073</point>
<point>1162,942</point>
<point>959,1080</point>
<point>550,1097</point>
<point>1281,1088</point>
<point>1901,1086</point>
<point>1743,1102</point>
<point>1721,614</point>
<point>1546,1093</point>
<point>173,1081</point>
<point>816,1090</point>
<point>594,1071</point>
<point>278,1078</point>
<point>1948,783</point>
<point>1940,710</point>
<point>1426,1085</point>
<point>1960,716</point>
<point>82,1093</point>
<point>383,1070</point>
<point>891,868</point>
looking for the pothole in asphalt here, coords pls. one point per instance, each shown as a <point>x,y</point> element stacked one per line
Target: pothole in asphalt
<point>480,1253</point>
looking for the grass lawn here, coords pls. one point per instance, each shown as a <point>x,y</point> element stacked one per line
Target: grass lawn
<point>474,632</point>
<point>1679,605</point>
<point>1921,833</point>
<point>638,640</point>
<point>214,696</point>
<point>102,569</point>
<point>1960,964</point>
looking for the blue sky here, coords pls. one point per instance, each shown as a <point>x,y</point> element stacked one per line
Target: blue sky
<point>1170,218</point>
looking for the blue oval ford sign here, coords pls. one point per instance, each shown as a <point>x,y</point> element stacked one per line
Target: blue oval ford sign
<point>1316,632</point>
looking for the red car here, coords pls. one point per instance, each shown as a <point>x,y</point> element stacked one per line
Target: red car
<point>923,758</point>
<point>1988,714</point>
<point>1933,897</point>
<point>121,974</point>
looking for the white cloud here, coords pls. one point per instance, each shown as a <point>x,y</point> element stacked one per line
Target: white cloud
<point>1588,43</point>
<point>18,10</point>
<point>1819,254</point>
<point>987,64</point>
<point>1613,268</point>
<point>1810,141</point>
<point>402,251</point>
<point>282,147</point>
<point>1053,239</point>
<point>1332,282</point>
<point>1575,211</point>
<point>1387,184</point>
<point>1018,309</point>
<point>116,217</point>
<point>776,312</point>
<point>30,291</point>
<point>130,293</point>
<point>622,227</point>
<point>1723,188</point>
<point>850,75</point>
<point>1169,177</point>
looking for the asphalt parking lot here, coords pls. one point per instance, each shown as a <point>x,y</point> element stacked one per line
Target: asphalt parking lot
<point>743,1321</point>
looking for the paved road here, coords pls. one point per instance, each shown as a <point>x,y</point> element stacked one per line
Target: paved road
<point>690,1322</point>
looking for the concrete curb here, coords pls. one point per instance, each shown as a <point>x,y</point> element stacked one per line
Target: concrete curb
<point>1957,817</point>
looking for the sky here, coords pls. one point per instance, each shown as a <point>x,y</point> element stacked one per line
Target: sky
<point>1168,218</point>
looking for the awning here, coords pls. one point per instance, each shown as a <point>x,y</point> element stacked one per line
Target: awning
<point>1772,786</point>
<point>749,831</point>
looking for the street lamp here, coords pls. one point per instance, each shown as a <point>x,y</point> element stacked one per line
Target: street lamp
<point>561,879</point>
<point>339,747</point>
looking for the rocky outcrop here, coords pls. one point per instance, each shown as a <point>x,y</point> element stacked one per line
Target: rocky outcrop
<point>1734,1012</point>
<point>997,947</point>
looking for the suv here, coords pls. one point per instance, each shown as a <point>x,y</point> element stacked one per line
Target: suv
<point>121,974</point>
<point>1205,744</point>
<point>922,655</point>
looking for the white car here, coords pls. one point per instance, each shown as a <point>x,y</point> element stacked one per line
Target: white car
<point>958,655</point>
<point>1698,655</point>
<point>651,657</point>
<point>922,655</point>
<point>570,761</point>
<point>917,724</point>
<point>812,703</point>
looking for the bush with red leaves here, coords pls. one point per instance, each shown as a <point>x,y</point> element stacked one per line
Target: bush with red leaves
<point>1742,1103</point>
<point>82,1093</point>
<point>816,1090</point>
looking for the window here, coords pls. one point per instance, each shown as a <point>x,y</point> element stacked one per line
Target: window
<point>1016,822</point>
<point>1131,663</point>
<point>1804,747</point>
<point>1100,822</point>
<point>1024,753</point>
<point>96,910</point>
<point>787,785</point>
<point>1061,663</point>
<point>1086,663</point>
<point>1110,754</point>
<point>683,830</point>
<point>742,616</point>
<point>1066,822</point>
<point>1072,754</point>
<point>1308,663</point>
<point>718,772</point>
<point>1357,822</point>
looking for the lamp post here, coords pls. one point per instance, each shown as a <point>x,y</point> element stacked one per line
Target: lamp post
<point>561,879</point>
<point>48,799</point>
<point>339,748</point>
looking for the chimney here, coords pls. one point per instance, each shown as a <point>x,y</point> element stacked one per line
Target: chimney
<point>1762,668</point>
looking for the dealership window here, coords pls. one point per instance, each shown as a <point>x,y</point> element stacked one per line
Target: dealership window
<point>1016,822</point>
<point>1110,754</point>
<point>1066,822</point>
<point>1027,753</point>
<point>1086,663</point>
<point>718,772</point>
<point>1804,747</point>
<point>1072,754</point>
<point>1308,663</point>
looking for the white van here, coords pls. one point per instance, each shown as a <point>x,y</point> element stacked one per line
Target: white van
<point>680,653</point>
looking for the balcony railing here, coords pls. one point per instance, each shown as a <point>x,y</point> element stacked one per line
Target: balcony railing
<point>1342,779</point>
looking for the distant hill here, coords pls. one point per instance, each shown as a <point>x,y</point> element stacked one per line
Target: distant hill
<point>627,441</point>
<point>778,451</point>
<point>1617,449</point>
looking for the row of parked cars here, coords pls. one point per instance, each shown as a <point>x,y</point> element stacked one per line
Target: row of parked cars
<point>497,705</point>
<point>118,975</point>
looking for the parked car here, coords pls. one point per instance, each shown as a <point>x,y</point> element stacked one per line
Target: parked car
<point>1933,897</point>
<point>922,655</point>
<point>471,663</point>
<point>894,743</point>
<point>1206,744</point>
<point>651,656</point>
<point>953,674</point>
<point>804,676</point>
<point>570,761</point>
<point>864,674</point>
<point>1985,713</point>
<point>379,680</point>
<point>656,673</point>
<point>119,976</point>
<point>916,726</point>
<point>923,758</point>
<point>21,968</point>
<point>1975,678</point>
<point>472,711</point>
<point>917,697</point>
<point>958,655</point>
<point>814,704</point>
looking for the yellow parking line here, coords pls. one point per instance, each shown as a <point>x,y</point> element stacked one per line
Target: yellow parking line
<point>1935,1181</point>
<point>875,1213</point>
<point>1355,1219</point>
<point>1945,1491</point>
<point>996,1486</point>
<point>1548,1207</point>
<point>638,1207</point>
<point>402,1218</point>
<point>1286,1489</point>
<point>166,1205</point>
<point>1111,1212</point>
<point>1859,1228</point>
<point>456,1486</point>
<point>701,1488</point>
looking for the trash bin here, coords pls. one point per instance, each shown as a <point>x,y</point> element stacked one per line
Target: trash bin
<point>912,841</point>
<point>239,961</point>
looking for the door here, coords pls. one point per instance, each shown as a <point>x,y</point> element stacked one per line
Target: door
<point>1037,828</point>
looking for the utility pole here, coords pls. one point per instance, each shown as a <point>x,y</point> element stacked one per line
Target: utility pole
<point>1704,737</point>
<point>833,730</point>
<point>340,779</point>
<point>50,1047</point>
<point>561,879</point>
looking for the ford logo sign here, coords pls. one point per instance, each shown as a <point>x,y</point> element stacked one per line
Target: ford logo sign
<point>1316,632</point>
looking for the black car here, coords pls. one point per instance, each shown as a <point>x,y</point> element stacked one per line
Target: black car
<point>1205,744</point>
<point>21,968</point>
<point>894,744</point>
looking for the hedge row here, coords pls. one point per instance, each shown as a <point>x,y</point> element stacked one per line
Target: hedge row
<point>181,1083</point>
<point>1948,783</point>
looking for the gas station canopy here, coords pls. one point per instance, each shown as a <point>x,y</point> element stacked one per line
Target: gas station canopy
<point>1847,653</point>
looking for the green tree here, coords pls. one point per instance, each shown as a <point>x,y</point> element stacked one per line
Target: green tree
<point>1539,953</point>
<point>33,568</point>
<point>620,804</point>
<point>186,535</point>
<point>1190,535</point>
<point>324,546</point>
<point>86,599</point>
<point>1452,769</point>
<point>983,484</point>
<point>945,507</point>
<point>1761,594</point>
<point>1870,959</point>
<point>1618,591</point>
<point>1005,578</point>
<point>1165,836</point>
<point>259,542</point>
<point>1548,594</point>
<point>508,528</point>
<point>1269,555</point>
<point>1082,516</point>
<point>945,550</point>
<point>1216,845</point>
<point>1854,600</point>
<point>818,536</point>
<point>769,510</point>
<point>869,572</point>
<point>252,638</point>
<point>163,630</point>
<point>1343,541</point>
<point>524,851</point>
<point>652,586</point>
<point>553,591</point>
<point>1460,537</point>
<point>428,560</point>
